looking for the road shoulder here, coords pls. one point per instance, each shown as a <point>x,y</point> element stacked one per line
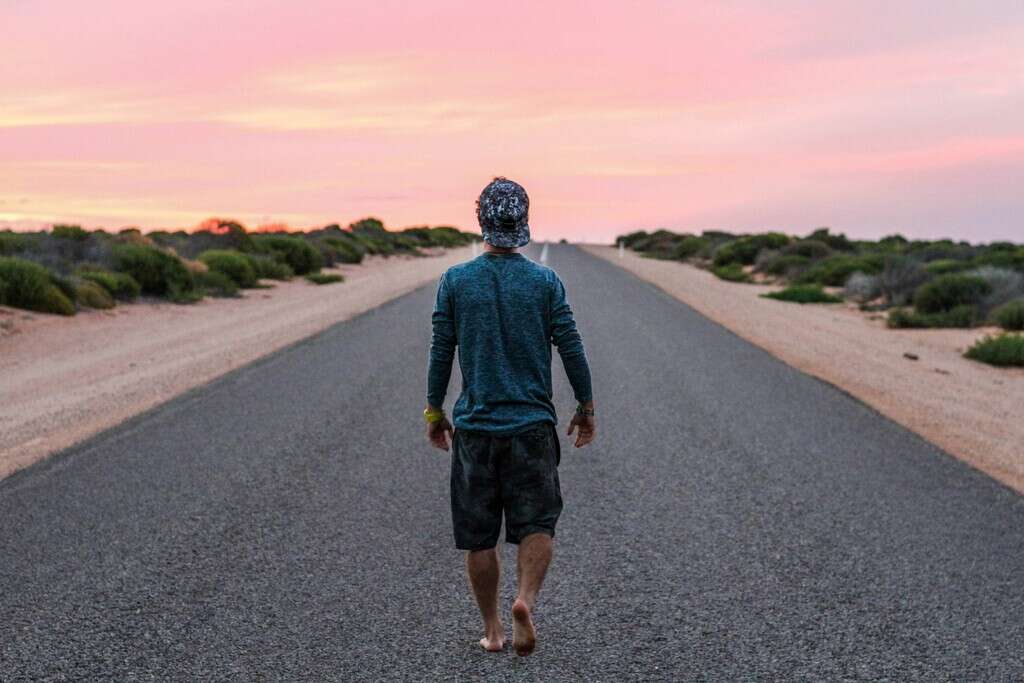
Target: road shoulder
<point>964,407</point>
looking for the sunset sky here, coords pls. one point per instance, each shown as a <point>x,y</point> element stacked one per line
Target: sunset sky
<point>868,116</point>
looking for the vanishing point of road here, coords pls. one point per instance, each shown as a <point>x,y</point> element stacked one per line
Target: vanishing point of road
<point>735,520</point>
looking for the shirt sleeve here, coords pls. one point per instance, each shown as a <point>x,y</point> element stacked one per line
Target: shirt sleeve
<point>567,340</point>
<point>442,346</point>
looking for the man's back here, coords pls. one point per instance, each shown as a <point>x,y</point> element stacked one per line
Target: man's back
<point>503,312</point>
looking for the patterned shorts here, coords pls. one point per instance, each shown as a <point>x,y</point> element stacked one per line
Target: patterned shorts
<point>513,475</point>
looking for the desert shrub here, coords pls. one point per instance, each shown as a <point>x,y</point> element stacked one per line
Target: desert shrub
<point>946,266</point>
<point>947,292</point>
<point>733,273</point>
<point>70,232</point>
<point>324,278</point>
<point>900,278</point>
<point>1010,316</point>
<point>861,287</point>
<point>784,264</point>
<point>838,242</point>
<point>690,246</point>
<point>217,283</point>
<point>93,295</point>
<point>808,248</point>
<point>65,284</point>
<point>156,272</point>
<point>119,285</point>
<point>834,270</point>
<point>1001,258</point>
<point>346,251</point>
<point>233,264</point>
<point>266,267</point>
<point>745,249</point>
<point>1006,285</point>
<point>958,316</point>
<point>803,294</point>
<point>1003,350</point>
<point>629,239</point>
<point>300,256</point>
<point>11,243</point>
<point>28,285</point>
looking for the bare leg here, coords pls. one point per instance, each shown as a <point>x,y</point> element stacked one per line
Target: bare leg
<point>484,572</point>
<point>534,557</point>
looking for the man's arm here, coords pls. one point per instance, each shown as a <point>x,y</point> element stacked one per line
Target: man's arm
<point>439,367</point>
<point>567,340</point>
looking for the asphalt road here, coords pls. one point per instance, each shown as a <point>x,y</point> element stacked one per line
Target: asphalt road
<point>736,520</point>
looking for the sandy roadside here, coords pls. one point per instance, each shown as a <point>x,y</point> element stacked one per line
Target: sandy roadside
<point>64,379</point>
<point>971,410</point>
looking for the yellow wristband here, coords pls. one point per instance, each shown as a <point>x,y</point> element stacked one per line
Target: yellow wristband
<point>432,416</point>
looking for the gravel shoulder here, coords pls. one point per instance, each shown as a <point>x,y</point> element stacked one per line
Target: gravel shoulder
<point>969,409</point>
<point>65,379</point>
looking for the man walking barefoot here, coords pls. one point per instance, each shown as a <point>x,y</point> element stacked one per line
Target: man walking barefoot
<point>504,312</point>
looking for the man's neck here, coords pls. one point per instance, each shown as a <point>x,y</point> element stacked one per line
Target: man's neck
<point>499,250</point>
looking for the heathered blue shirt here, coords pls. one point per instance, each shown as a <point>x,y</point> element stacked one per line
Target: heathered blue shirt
<point>503,312</point>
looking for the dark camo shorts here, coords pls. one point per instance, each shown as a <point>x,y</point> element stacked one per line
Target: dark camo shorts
<point>516,475</point>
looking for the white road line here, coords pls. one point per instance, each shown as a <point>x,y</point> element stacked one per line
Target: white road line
<point>544,253</point>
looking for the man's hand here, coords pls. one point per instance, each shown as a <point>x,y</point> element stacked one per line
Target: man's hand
<point>438,433</point>
<point>584,425</point>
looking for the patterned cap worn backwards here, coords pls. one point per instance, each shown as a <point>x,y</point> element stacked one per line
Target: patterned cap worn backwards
<point>503,213</point>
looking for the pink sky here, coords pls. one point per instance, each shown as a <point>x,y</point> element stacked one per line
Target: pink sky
<point>871,117</point>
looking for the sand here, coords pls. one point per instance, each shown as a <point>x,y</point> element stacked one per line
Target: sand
<point>65,379</point>
<point>973,411</point>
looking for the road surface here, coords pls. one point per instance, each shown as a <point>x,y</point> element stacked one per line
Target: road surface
<point>735,520</point>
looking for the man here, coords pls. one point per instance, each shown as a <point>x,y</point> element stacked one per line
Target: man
<point>504,312</point>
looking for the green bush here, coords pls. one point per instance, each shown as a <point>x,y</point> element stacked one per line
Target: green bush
<point>10,243</point>
<point>70,232</point>
<point>156,272</point>
<point>267,268</point>
<point>28,285</point>
<point>325,278</point>
<point>804,294</point>
<point>959,316</point>
<point>745,249</point>
<point>93,295</point>
<point>786,264</point>
<point>808,248</point>
<point>1010,316</point>
<point>945,266</point>
<point>217,283</point>
<point>947,292</point>
<point>834,270</point>
<point>300,256</point>
<point>120,285</point>
<point>231,263</point>
<point>838,242</point>
<point>1004,350</point>
<point>689,247</point>
<point>733,273</point>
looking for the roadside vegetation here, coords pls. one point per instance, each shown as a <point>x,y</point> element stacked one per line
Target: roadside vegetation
<point>66,269</point>
<point>916,283</point>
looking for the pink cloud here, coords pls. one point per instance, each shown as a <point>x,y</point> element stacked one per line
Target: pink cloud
<point>615,115</point>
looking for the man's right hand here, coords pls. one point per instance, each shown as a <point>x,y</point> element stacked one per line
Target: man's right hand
<point>438,433</point>
<point>584,425</point>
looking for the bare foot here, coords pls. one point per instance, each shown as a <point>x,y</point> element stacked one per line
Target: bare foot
<point>493,643</point>
<point>524,637</point>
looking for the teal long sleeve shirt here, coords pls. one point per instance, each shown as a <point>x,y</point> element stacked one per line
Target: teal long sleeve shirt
<point>503,313</point>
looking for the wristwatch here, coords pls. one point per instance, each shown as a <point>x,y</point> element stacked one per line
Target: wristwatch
<point>432,416</point>
<point>586,412</point>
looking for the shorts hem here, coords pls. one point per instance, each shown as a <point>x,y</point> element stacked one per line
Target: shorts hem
<point>514,540</point>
